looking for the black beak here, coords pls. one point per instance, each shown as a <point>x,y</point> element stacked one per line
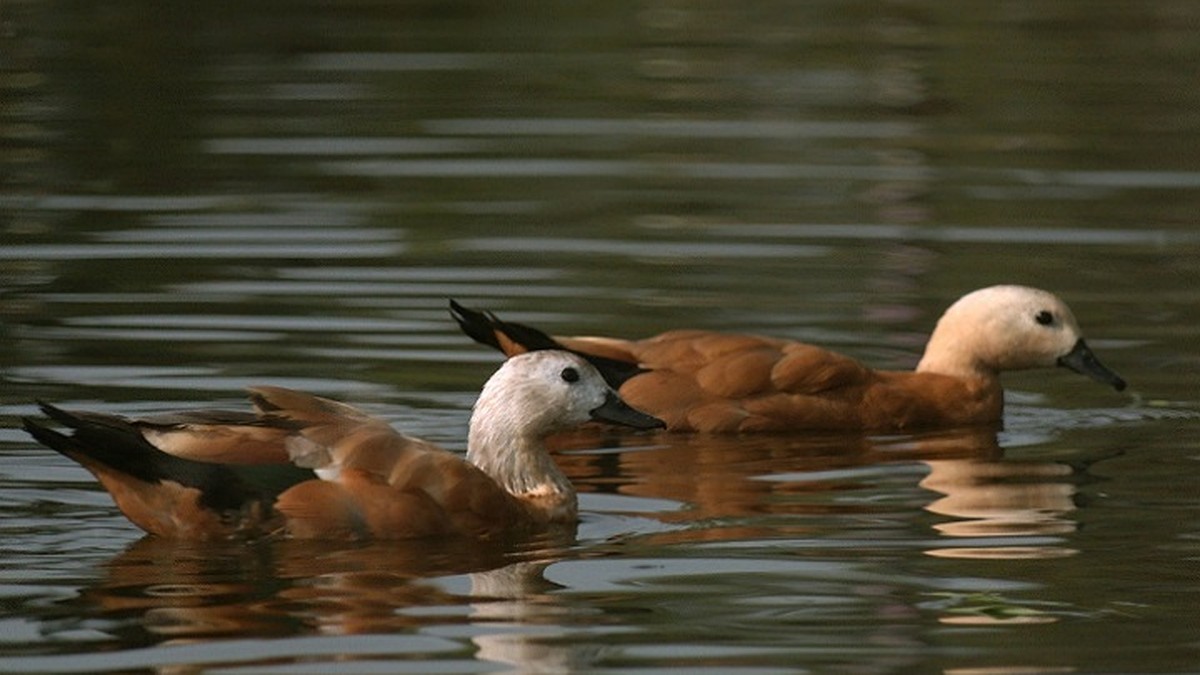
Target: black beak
<point>616,411</point>
<point>1081,360</point>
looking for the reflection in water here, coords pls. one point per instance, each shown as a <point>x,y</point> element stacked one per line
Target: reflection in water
<point>992,609</point>
<point>516,612</point>
<point>734,490</point>
<point>160,592</point>
<point>1001,499</point>
<point>183,591</point>
<point>198,200</point>
<point>782,483</point>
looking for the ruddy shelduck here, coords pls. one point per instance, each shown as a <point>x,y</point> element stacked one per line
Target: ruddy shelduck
<point>310,467</point>
<point>700,380</point>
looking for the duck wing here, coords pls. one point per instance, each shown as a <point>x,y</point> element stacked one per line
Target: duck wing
<point>724,382</point>
<point>430,496</point>
<point>698,380</point>
<point>215,436</point>
<point>163,493</point>
<point>378,482</point>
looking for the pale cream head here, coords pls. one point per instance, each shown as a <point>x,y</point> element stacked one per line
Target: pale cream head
<point>1001,328</point>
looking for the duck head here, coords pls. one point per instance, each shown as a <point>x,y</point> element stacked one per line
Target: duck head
<point>1001,328</point>
<point>534,395</point>
<point>546,391</point>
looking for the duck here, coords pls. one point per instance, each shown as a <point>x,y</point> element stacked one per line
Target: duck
<point>306,467</point>
<point>725,382</point>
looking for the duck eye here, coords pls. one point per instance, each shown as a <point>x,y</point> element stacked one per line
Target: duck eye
<point>570,374</point>
<point>1044,317</point>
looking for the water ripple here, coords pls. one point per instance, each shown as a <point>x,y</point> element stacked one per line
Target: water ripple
<point>678,128</point>
<point>337,145</point>
<point>958,233</point>
<point>640,249</point>
<point>547,167</point>
<point>400,61</point>
<point>233,250</point>
<point>291,236</point>
<point>329,649</point>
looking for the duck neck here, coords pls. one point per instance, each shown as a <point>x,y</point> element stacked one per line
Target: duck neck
<point>517,460</point>
<point>950,355</point>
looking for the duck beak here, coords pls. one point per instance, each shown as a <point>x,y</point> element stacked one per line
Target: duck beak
<point>616,411</point>
<point>1081,360</point>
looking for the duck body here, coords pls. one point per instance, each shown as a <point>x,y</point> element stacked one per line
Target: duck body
<point>707,381</point>
<point>310,467</point>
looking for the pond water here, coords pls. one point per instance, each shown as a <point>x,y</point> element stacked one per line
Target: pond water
<point>199,198</point>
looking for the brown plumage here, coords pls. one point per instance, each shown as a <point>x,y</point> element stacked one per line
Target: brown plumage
<point>698,380</point>
<point>315,468</point>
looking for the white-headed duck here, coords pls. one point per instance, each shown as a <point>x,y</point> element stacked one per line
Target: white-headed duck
<point>315,468</point>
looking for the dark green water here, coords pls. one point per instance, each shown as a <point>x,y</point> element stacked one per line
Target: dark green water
<point>198,198</point>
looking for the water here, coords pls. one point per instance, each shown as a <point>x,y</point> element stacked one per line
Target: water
<point>195,199</point>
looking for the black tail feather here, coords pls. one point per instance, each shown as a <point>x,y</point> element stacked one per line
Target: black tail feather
<point>58,415</point>
<point>483,326</point>
<point>476,325</point>
<point>48,437</point>
<point>119,446</point>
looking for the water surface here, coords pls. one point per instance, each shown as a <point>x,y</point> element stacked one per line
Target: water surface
<point>196,199</point>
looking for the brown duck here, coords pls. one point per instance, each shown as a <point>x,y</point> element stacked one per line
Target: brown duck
<point>315,468</point>
<point>700,380</point>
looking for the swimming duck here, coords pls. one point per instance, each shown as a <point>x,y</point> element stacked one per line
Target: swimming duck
<point>209,474</point>
<point>699,380</point>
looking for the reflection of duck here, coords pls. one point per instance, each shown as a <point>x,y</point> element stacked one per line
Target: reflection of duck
<point>998,502</point>
<point>737,489</point>
<point>726,488</point>
<point>518,597</point>
<point>720,382</point>
<point>725,476</point>
<point>187,590</point>
<point>213,474</point>
<point>382,587</point>
<point>769,485</point>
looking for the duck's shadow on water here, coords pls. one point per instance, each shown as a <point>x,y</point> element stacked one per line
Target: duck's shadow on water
<point>666,490</point>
